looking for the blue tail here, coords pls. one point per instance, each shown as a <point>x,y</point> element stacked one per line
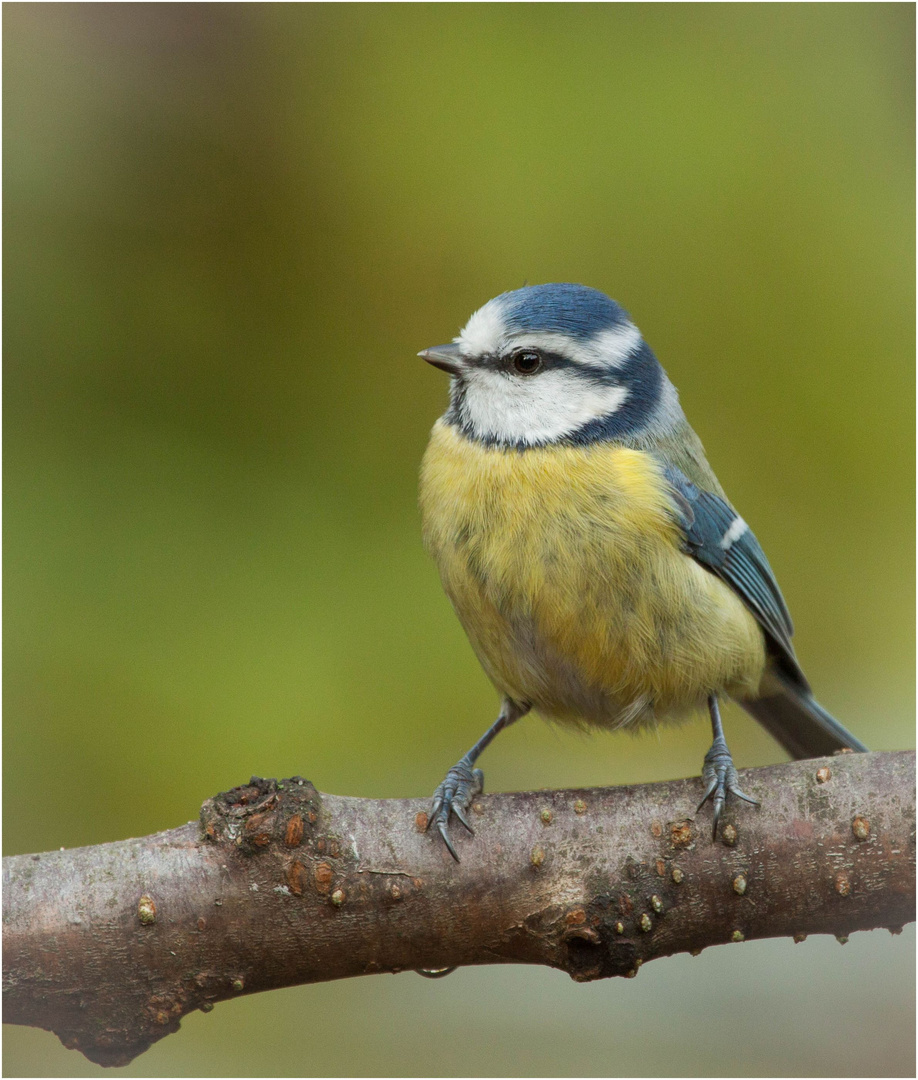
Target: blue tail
<point>799,723</point>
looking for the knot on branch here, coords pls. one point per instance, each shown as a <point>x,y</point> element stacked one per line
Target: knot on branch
<point>262,812</point>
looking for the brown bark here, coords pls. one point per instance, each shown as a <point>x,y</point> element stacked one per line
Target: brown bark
<point>110,946</point>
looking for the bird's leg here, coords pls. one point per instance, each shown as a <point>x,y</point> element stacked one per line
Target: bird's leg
<point>463,782</point>
<point>719,773</point>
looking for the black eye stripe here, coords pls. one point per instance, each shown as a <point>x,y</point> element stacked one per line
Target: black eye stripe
<point>552,361</point>
<point>555,361</point>
<point>548,361</point>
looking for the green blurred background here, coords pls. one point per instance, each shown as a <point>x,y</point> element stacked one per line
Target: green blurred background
<point>229,229</point>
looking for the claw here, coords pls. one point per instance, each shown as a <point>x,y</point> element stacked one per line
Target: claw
<point>454,796</point>
<point>441,829</point>
<point>463,820</point>
<point>719,802</point>
<point>708,793</point>
<point>742,795</point>
<point>721,778</point>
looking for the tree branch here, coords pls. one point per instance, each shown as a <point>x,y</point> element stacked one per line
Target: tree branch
<point>109,946</point>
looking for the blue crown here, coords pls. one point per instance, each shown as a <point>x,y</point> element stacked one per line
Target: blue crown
<point>576,310</point>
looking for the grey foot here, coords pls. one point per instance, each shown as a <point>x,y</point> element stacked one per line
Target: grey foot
<point>454,796</point>
<point>720,780</point>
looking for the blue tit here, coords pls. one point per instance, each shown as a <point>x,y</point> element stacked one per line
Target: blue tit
<point>600,572</point>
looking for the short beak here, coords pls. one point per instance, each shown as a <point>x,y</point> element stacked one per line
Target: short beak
<point>445,357</point>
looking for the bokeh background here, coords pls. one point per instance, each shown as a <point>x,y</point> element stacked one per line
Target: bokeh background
<point>229,229</point>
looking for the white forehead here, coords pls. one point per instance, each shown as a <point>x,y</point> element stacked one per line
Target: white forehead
<point>487,333</point>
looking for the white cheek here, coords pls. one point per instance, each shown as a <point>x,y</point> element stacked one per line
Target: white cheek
<point>538,409</point>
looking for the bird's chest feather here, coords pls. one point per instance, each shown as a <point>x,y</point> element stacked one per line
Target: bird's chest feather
<point>565,569</point>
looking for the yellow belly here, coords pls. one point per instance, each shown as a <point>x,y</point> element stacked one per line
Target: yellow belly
<point>564,567</point>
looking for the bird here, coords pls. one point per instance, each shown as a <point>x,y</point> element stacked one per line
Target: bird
<point>600,572</point>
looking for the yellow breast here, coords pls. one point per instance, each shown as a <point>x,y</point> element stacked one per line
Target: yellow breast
<point>564,566</point>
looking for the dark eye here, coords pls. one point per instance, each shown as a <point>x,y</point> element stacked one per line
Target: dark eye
<point>527,361</point>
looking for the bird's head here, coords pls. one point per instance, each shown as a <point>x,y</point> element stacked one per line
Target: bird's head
<point>554,363</point>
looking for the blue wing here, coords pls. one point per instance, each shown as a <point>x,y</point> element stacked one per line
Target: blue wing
<point>723,543</point>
